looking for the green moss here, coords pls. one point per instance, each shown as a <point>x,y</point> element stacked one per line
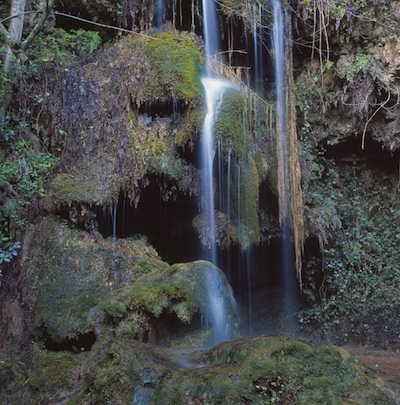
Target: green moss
<point>261,370</point>
<point>175,292</point>
<point>145,266</point>
<point>52,372</point>
<point>246,229</point>
<point>176,63</point>
<point>77,272</point>
<point>229,126</point>
<point>273,172</point>
<point>12,382</point>
<point>261,165</point>
<point>88,184</point>
<point>192,123</point>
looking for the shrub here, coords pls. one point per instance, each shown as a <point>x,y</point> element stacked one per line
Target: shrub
<point>353,286</point>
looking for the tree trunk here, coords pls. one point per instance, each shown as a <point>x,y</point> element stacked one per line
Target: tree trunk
<point>15,29</point>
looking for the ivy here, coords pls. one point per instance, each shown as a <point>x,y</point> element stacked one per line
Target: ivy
<point>64,46</point>
<point>353,286</point>
<point>23,176</point>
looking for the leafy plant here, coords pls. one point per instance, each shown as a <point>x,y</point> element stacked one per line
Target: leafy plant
<point>23,174</point>
<point>64,46</point>
<point>352,287</point>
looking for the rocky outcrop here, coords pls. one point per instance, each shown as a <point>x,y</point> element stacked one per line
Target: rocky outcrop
<point>347,84</point>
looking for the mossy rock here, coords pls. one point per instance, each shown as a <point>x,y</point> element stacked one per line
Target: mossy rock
<point>52,373</point>
<point>264,369</point>
<point>127,132</point>
<point>229,124</point>
<point>76,272</point>
<point>12,381</point>
<point>175,62</point>
<point>179,291</point>
<point>89,185</point>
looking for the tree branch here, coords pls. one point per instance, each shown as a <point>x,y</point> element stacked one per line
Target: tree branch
<point>102,25</point>
<point>38,26</point>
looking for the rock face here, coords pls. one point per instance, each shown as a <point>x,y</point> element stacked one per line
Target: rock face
<point>349,86</point>
<point>117,116</point>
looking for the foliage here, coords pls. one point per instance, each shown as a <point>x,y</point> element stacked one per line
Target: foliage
<point>26,170</point>
<point>364,64</point>
<point>8,250</point>
<point>65,47</point>
<point>23,175</point>
<point>353,287</point>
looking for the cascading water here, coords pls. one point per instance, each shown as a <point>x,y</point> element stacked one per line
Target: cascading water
<point>278,38</point>
<point>211,37</point>
<point>214,90</point>
<point>160,11</point>
<point>258,47</point>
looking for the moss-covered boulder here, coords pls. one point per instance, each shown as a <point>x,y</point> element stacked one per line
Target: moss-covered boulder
<point>166,298</point>
<point>175,69</point>
<point>75,272</point>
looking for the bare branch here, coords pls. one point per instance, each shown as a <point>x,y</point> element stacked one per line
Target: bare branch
<point>103,25</point>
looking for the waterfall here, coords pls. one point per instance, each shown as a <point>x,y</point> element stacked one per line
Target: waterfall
<point>211,36</point>
<point>158,13</point>
<point>258,47</point>
<point>288,264</point>
<point>278,46</point>
<point>214,89</point>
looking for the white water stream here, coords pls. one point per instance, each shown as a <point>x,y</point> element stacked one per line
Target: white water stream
<point>215,87</point>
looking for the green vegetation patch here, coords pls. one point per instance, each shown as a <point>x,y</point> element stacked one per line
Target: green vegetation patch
<point>262,370</point>
<point>354,214</point>
<point>76,272</point>
<point>176,67</point>
<point>229,125</point>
